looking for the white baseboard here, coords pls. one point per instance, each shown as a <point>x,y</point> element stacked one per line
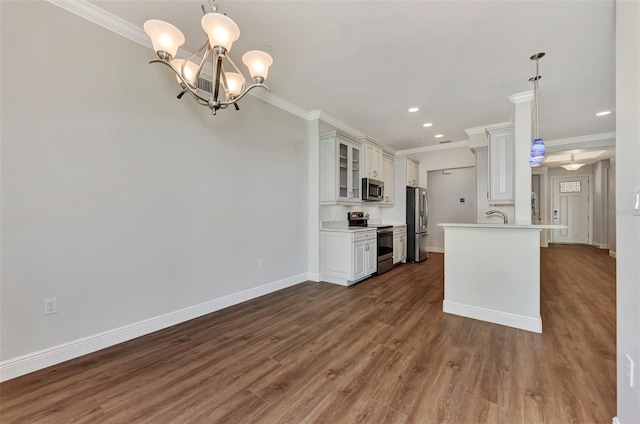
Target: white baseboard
<point>612,253</point>
<point>315,277</point>
<point>497,317</point>
<point>435,249</point>
<point>35,361</point>
<point>600,245</point>
<point>615,420</point>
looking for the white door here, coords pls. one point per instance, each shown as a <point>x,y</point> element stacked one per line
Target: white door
<point>571,208</point>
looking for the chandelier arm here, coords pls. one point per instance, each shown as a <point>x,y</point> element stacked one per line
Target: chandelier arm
<point>216,83</point>
<point>206,49</point>
<point>197,98</point>
<point>223,79</point>
<point>234,65</point>
<point>185,83</point>
<point>241,95</point>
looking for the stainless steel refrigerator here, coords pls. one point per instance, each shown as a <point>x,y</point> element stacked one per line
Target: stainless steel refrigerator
<point>417,216</point>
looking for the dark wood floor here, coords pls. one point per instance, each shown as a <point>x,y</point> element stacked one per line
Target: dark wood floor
<point>381,351</point>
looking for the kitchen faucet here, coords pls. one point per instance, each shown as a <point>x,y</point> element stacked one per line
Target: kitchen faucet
<point>493,211</point>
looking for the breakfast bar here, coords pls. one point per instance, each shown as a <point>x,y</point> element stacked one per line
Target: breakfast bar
<point>492,273</point>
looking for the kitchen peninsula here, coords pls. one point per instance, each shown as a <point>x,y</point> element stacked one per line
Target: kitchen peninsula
<point>492,273</point>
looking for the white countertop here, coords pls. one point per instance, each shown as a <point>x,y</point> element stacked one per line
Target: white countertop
<point>343,226</point>
<point>349,229</point>
<point>505,226</point>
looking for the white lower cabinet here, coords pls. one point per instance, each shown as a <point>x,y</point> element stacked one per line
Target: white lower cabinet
<point>399,244</point>
<point>347,257</point>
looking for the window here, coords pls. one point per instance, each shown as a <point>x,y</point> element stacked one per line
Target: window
<point>570,187</point>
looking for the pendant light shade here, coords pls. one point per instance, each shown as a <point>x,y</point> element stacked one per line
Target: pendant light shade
<point>538,149</point>
<point>190,70</point>
<point>573,165</point>
<point>220,29</point>
<point>258,63</point>
<point>535,161</point>
<point>165,37</point>
<point>235,82</point>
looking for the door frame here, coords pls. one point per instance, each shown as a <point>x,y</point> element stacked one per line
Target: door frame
<point>544,204</point>
<point>589,202</point>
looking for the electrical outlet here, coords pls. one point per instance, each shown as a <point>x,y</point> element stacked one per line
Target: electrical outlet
<point>260,263</point>
<point>51,306</point>
<point>629,369</point>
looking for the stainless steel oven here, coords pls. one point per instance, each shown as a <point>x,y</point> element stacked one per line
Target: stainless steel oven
<point>385,249</point>
<point>384,239</point>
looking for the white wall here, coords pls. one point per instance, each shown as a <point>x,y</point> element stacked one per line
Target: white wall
<point>458,157</point>
<point>123,202</point>
<point>628,221</point>
<point>610,215</point>
<point>443,197</point>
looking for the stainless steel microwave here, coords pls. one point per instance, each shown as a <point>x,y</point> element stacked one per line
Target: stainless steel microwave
<point>372,190</point>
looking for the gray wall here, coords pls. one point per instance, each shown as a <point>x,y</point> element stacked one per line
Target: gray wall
<point>123,202</point>
<point>627,222</point>
<point>443,195</point>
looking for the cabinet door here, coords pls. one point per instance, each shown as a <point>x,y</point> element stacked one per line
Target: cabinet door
<point>371,257</point>
<point>387,173</point>
<point>403,248</point>
<point>359,260</point>
<point>501,150</point>
<point>396,249</point>
<point>343,171</point>
<point>412,174</point>
<point>355,159</point>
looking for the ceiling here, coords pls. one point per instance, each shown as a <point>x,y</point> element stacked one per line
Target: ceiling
<point>367,62</point>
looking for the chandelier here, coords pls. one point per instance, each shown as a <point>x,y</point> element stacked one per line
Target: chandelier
<point>573,165</point>
<point>538,148</point>
<point>221,31</point>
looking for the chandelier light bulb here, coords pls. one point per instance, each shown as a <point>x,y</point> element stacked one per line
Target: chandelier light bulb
<point>258,63</point>
<point>221,30</point>
<point>235,83</point>
<point>190,71</point>
<point>165,38</point>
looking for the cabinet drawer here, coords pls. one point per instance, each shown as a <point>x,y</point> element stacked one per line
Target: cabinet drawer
<point>364,235</point>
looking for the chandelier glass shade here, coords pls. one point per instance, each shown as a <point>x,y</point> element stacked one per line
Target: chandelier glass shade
<point>538,149</point>
<point>221,32</point>
<point>573,165</point>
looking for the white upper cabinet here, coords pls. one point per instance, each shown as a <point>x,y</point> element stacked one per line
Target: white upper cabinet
<point>373,159</point>
<point>388,178</point>
<point>341,162</point>
<point>501,165</point>
<point>412,173</point>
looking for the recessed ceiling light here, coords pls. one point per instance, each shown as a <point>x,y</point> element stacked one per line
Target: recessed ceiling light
<point>428,124</point>
<point>439,135</point>
<point>604,112</point>
<point>413,109</point>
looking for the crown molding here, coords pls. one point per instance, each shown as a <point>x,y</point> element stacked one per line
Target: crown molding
<point>525,96</point>
<point>434,147</point>
<point>107,20</point>
<point>332,120</point>
<point>610,137</point>
<point>483,128</point>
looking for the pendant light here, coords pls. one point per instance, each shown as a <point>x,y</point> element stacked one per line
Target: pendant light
<point>538,149</point>
<point>573,165</point>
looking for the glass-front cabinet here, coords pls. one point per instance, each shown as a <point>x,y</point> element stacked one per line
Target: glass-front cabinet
<point>340,166</point>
